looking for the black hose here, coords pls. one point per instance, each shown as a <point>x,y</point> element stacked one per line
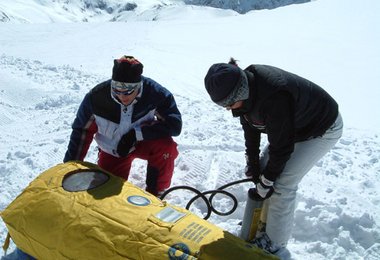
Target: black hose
<point>208,201</point>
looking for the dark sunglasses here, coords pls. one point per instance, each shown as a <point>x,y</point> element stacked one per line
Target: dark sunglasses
<point>124,93</point>
<point>121,88</point>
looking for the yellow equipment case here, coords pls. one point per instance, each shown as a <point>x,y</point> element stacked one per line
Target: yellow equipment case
<point>76,210</point>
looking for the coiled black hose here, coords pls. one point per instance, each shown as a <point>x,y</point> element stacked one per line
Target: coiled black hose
<point>208,201</point>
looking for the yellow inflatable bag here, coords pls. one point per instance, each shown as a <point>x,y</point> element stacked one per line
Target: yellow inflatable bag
<point>78,211</point>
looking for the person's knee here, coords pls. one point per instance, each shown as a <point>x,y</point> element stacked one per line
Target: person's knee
<point>287,183</point>
<point>168,147</point>
<point>284,192</point>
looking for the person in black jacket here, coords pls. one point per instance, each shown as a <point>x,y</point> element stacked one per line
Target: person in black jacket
<point>129,116</point>
<point>302,123</point>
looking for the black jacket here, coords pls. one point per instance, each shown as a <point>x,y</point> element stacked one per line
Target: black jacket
<point>286,107</point>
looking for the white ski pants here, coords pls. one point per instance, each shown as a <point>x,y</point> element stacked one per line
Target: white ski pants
<point>278,210</point>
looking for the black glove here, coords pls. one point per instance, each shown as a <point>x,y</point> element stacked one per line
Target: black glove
<point>252,169</point>
<point>126,143</point>
<point>264,189</point>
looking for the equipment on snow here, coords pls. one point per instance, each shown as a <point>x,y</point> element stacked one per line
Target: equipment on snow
<point>251,218</point>
<point>76,210</point>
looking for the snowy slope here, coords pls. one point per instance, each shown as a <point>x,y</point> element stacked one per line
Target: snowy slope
<point>45,70</point>
<point>43,11</point>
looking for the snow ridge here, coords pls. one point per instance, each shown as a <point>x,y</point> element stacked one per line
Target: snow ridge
<point>36,11</point>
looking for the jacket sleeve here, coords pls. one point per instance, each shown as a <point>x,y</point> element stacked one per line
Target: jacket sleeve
<point>84,128</point>
<point>252,138</point>
<point>281,132</point>
<point>168,123</point>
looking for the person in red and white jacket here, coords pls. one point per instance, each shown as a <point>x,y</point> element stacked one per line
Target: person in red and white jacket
<point>129,116</point>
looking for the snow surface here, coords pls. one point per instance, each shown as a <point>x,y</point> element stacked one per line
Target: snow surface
<point>46,69</point>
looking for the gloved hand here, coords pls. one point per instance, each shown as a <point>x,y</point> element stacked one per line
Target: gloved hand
<point>264,189</point>
<point>126,143</point>
<point>252,169</point>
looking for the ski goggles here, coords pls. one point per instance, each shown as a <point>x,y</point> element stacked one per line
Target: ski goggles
<point>122,88</point>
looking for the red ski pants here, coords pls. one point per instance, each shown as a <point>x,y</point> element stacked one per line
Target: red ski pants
<point>160,155</point>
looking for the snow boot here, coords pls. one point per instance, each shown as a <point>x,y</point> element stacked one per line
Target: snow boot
<point>263,241</point>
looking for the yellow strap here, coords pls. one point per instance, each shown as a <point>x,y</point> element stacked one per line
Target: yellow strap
<point>6,243</point>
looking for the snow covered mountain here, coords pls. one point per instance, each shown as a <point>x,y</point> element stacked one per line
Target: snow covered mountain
<point>244,6</point>
<point>44,11</point>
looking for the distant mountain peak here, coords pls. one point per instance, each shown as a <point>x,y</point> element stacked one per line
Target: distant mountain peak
<point>44,11</point>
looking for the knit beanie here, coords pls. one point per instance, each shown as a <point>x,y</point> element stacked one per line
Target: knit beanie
<point>226,84</point>
<point>127,69</point>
